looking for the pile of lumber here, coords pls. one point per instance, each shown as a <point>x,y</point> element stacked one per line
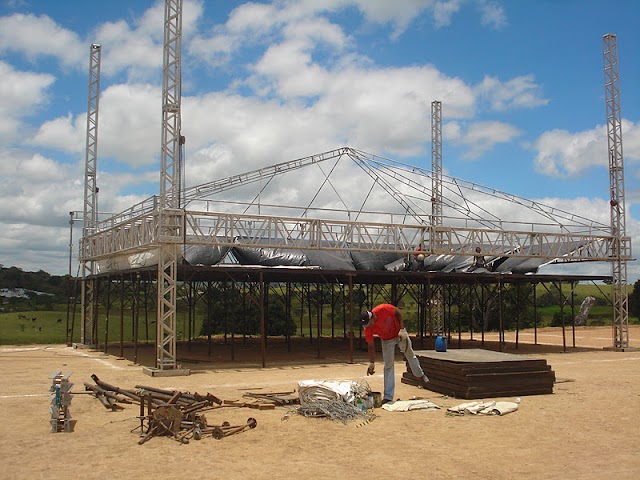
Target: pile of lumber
<point>477,373</point>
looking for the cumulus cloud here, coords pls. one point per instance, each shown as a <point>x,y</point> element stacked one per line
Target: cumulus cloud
<point>479,137</point>
<point>35,189</point>
<point>136,47</point>
<point>444,11</point>
<point>253,23</point>
<point>519,92</point>
<point>22,93</point>
<point>128,126</point>
<point>563,153</point>
<point>492,14</point>
<point>39,36</point>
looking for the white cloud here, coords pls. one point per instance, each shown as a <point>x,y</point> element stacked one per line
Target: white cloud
<point>492,14</point>
<point>34,248</point>
<point>128,126</point>
<point>349,110</point>
<point>562,153</point>
<point>35,189</point>
<point>253,23</point>
<point>519,92</point>
<point>399,13</point>
<point>443,12</point>
<point>39,36</point>
<point>22,93</point>
<point>136,49</point>
<point>62,133</point>
<point>479,137</point>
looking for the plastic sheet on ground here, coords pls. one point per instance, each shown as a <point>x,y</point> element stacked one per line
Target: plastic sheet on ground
<point>329,390</point>
<point>408,405</point>
<point>483,408</point>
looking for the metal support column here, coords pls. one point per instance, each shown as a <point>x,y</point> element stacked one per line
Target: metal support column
<point>616,181</point>
<point>436,203</point>
<point>90,197</point>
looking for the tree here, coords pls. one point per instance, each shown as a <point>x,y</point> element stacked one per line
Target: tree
<point>634,300</point>
<point>235,315</point>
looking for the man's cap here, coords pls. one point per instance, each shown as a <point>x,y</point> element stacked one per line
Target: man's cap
<point>366,316</point>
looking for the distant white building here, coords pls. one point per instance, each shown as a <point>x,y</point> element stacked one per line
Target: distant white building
<point>20,293</point>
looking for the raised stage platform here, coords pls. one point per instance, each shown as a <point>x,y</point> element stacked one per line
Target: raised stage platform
<point>475,373</point>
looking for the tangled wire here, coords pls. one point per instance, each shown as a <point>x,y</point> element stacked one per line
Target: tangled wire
<point>321,401</point>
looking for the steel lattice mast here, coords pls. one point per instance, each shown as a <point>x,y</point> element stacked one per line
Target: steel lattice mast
<point>436,206</point>
<point>90,195</point>
<point>169,215</point>
<point>616,182</point>
<point>436,165</point>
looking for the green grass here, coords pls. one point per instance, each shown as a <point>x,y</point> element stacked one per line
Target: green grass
<point>37,327</point>
<point>18,328</point>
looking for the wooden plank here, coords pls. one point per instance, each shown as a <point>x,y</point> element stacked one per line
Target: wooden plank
<point>471,366</point>
<point>459,369</point>
<point>471,393</point>
<point>472,355</point>
<point>476,373</point>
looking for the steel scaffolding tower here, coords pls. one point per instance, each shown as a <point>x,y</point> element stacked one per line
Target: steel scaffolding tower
<point>616,182</point>
<point>436,207</point>
<point>87,334</point>
<point>169,215</point>
<point>436,164</point>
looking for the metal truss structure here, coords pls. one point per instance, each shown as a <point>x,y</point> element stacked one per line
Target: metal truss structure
<point>436,163</point>
<point>310,203</point>
<point>568,238</point>
<point>90,194</point>
<point>436,205</point>
<point>168,225</point>
<point>616,181</point>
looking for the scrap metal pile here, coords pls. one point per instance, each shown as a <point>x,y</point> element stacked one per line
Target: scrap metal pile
<point>180,415</point>
<point>177,414</point>
<point>343,401</point>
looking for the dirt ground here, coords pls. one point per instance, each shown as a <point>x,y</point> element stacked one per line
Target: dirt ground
<point>587,429</point>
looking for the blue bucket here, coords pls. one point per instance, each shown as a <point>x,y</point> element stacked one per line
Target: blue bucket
<point>441,344</point>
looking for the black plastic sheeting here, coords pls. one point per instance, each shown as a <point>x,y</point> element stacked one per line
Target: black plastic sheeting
<point>194,254</point>
<point>277,256</point>
<point>324,259</point>
<point>270,257</point>
<point>499,264</point>
<point>203,254</point>
<point>374,261</point>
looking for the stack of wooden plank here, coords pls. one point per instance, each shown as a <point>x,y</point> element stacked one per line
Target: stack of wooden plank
<point>477,373</point>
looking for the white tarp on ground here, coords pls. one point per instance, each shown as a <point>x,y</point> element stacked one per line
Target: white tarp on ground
<point>408,405</point>
<point>484,408</point>
<point>326,390</point>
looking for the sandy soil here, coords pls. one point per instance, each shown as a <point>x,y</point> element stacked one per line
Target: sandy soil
<point>587,429</point>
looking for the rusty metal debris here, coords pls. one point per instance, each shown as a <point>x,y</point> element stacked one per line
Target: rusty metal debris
<point>172,413</point>
<point>275,398</point>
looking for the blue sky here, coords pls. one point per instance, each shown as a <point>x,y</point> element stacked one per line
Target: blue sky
<point>521,82</point>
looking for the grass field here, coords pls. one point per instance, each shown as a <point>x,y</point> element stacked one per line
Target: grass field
<point>50,327</point>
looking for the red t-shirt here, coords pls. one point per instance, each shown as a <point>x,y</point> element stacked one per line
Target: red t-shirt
<point>386,326</point>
